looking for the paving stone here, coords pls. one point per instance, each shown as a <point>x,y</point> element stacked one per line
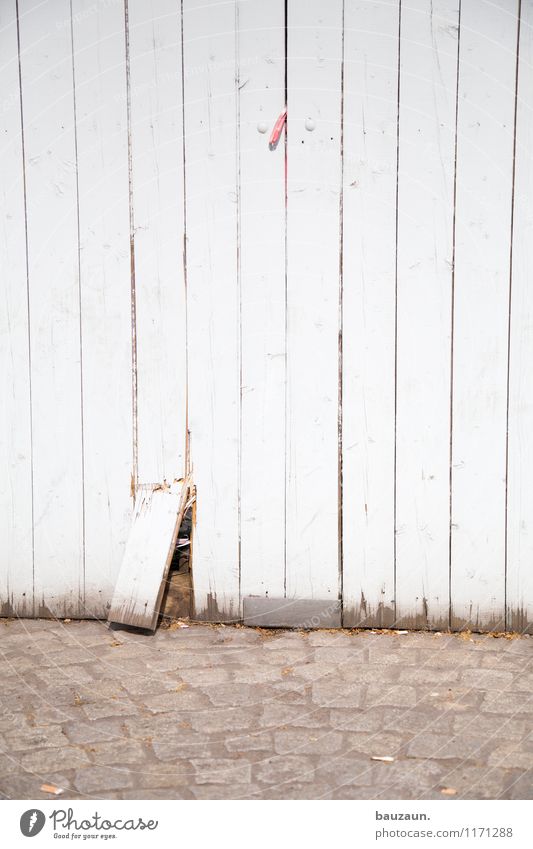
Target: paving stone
<point>233,694</point>
<point>339,638</point>
<point>440,747</point>
<point>309,742</point>
<point>177,774</point>
<point>312,670</point>
<point>99,731</point>
<point>98,779</point>
<point>225,719</point>
<point>25,786</point>
<point>457,658</point>
<point>345,769</point>
<point>511,756</point>
<point>294,661</point>
<point>65,656</point>
<point>428,675</point>
<point>356,720</point>
<point>220,791</point>
<point>520,703</point>
<point>390,694</point>
<point>61,676</point>
<point>453,698</point>
<point>13,722</point>
<point>380,743</point>
<point>519,786</point>
<point>188,744</point>
<point>277,770</point>
<point>487,679</point>
<point>474,782</point>
<point>329,694</point>
<point>256,675</point>
<point>411,720</point>
<point>261,742</point>
<point>117,752</point>
<point>287,640</point>
<point>173,792</point>
<point>278,714</point>
<point>49,736</point>
<point>295,791</point>
<point>289,691</point>
<point>201,676</point>
<point>43,761</point>
<point>354,792</point>
<point>395,778</point>
<point>221,771</point>
<point>340,655</point>
<point>282,715</point>
<point>144,685</point>
<point>183,698</point>
<point>109,707</point>
<point>499,727</point>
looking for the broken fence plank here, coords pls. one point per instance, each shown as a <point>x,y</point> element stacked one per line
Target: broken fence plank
<point>155,524</point>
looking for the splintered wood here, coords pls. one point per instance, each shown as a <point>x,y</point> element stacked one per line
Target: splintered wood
<point>139,589</point>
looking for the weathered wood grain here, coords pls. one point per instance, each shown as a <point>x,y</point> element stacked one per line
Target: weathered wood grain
<point>158,215</point>
<point>428,86</point>
<point>313,288</point>
<point>481,311</point>
<point>520,415</point>
<point>16,515</point>
<point>101,134</point>
<point>54,304</point>
<point>368,338</point>
<point>262,297</point>
<point>213,284</point>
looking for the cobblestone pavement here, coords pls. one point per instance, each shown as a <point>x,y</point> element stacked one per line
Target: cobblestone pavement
<point>223,712</point>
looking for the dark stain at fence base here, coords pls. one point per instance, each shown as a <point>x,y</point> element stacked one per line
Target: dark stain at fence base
<point>365,616</point>
<point>212,612</point>
<point>517,621</point>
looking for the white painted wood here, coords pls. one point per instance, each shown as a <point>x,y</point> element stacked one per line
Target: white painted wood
<point>157,174</point>
<point>149,550</point>
<point>50,160</point>
<point>101,122</point>
<point>369,211</point>
<point>428,85</point>
<point>484,169</point>
<point>16,562</point>
<point>262,259</point>
<point>520,467</point>
<point>314,182</point>
<point>261,445</point>
<point>213,300</point>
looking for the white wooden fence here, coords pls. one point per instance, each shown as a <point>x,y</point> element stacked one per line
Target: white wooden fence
<point>344,323</point>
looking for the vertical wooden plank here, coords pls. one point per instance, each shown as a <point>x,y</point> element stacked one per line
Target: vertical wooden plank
<point>157,179</point>
<point>482,237</point>
<point>369,206</point>
<point>213,300</point>
<point>101,129</point>
<point>520,462</point>
<point>50,162</point>
<point>313,227</point>
<point>428,85</point>
<point>261,45</point>
<point>16,561</point>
